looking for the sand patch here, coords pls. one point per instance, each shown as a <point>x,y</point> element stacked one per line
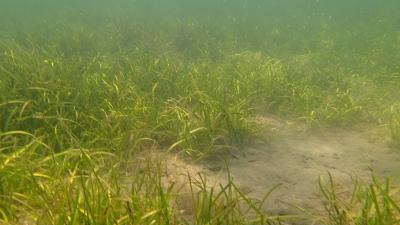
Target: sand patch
<point>294,158</point>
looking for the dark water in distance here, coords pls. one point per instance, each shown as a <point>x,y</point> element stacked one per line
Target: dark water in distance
<point>300,9</point>
<point>293,23</point>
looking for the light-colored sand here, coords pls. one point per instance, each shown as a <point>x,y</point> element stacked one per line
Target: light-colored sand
<point>295,159</point>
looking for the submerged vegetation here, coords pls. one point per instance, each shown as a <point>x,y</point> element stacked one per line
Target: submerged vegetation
<point>82,94</point>
<point>376,203</point>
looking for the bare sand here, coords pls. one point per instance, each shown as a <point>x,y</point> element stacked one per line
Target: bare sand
<point>295,157</point>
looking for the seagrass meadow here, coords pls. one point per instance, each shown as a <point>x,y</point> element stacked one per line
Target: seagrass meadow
<point>88,87</point>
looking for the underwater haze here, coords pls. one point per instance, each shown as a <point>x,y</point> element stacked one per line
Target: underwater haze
<point>200,112</point>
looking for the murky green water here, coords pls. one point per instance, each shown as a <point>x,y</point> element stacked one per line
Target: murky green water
<point>270,26</point>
